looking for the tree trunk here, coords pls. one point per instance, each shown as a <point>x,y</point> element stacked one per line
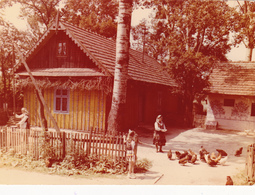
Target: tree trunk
<point>38,90</point>
<point>249,54</point>
<point>42,115</point>
<point>116,116</point>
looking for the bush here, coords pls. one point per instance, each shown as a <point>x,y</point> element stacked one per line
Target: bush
<point>143,165</point>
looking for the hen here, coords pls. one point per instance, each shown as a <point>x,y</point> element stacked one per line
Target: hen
<point>213,156</point>
<point>193,159</point>
<point>202,153</point>
<point>169,154</point>
<point>183,161</point>
<point>239,151</point>
<point>229,181</point>
<point>212,162</point>
<point>184,154</point>
<point>222,152</point>
<point>178,154</point>
<point>223,160</point>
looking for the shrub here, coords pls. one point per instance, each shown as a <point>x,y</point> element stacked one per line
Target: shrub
<point>143,165</point>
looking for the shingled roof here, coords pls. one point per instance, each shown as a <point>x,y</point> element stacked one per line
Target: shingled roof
<point>233,78</point>
<point>102,52</point>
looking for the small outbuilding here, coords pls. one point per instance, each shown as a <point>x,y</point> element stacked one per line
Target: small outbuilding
<point>231,97</point>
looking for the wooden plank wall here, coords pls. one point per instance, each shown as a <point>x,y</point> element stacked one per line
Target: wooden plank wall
<point>87,109</point>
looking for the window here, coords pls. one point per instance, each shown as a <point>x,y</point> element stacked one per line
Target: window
<point>61,101</point>
<point>253,109</point>
<point>229,102</point>
<point>61,49</point>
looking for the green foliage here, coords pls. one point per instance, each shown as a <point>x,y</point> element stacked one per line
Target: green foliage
<point>97,15</point>
<point>189,37</point>
<point>142,165</point>
<point>47,151</point>
<point>245,27</point>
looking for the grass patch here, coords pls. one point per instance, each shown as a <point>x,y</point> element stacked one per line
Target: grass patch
<point>78,165</point>
<point>241,179</point>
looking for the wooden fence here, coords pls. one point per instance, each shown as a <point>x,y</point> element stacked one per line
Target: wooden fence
<point>250,163</point>
<point>30,142</point>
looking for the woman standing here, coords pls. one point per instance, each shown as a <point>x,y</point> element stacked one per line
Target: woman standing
<point>159,138</point>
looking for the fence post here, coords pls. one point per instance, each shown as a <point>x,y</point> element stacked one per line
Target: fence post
<point>63,144</point>
<point>250,165</point>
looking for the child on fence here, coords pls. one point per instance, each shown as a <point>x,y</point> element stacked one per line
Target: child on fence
<point>131,147</point>
<point>24,122</point>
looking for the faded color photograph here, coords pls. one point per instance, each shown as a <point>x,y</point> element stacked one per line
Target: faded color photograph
<point>127,93</point>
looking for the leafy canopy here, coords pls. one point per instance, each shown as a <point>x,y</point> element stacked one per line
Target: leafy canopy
<point>96,15</point>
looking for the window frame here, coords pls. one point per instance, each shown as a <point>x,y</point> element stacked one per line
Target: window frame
<point>63,52</point>
<point>61,96</point>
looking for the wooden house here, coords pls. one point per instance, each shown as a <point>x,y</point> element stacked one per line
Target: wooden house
<point>231,98</point>
<point>75,68</point>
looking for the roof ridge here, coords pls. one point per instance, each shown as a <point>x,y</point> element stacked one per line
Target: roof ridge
<point>86,29</point>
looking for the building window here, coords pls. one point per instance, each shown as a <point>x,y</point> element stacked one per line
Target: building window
<point>61,49</point>
<point>61,101</point>
<point>229,102</point>
<point>253,109</point>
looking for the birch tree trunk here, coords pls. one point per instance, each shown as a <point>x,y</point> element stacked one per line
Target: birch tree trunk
<point>249,54</point>
<point>116,116</point>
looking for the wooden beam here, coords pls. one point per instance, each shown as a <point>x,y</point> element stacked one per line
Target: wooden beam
<point>37,89</point>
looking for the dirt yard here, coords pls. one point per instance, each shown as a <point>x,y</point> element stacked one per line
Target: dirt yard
<point>163,171</point>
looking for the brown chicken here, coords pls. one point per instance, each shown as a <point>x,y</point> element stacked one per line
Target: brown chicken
<point>183,161</point>
<point>191,152</point>
<point>178,154</point>
<point>223,153</point>
<point>213,156</point>
<point>239,151</point>
<point>202,153</point>
<point>229,181</point>
<point>193,159</point>
<point>184,154</point>
<point>169,154</point>
<point>212,162</point>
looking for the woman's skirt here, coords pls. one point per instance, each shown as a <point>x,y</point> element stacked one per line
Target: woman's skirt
<point>159,138</point>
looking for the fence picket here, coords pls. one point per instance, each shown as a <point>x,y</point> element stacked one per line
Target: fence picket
<point>90,142</point>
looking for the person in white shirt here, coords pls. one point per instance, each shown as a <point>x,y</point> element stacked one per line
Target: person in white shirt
<point>24,122</point>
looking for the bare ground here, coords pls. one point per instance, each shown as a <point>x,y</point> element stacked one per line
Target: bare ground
<point>163,171</point>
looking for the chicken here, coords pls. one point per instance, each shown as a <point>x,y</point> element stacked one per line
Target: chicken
<point>222,152</point>
<point>213,156</point>
<point>193,159</point>
<point>223,160</point>
<point>191,152</point>
<point>210,161</point>
<point>189,157</point>
<point>239,151</point>
<point>202,153</point>
<point>183,161</point>
<point>229,181</point>
<point>178,154</point>
<point>169,154</point>
<point>218,158</point>
<point>184,154</point>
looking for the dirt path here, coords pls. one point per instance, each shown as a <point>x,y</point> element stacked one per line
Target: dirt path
<point>164,171</point>
<point>200,173</point>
